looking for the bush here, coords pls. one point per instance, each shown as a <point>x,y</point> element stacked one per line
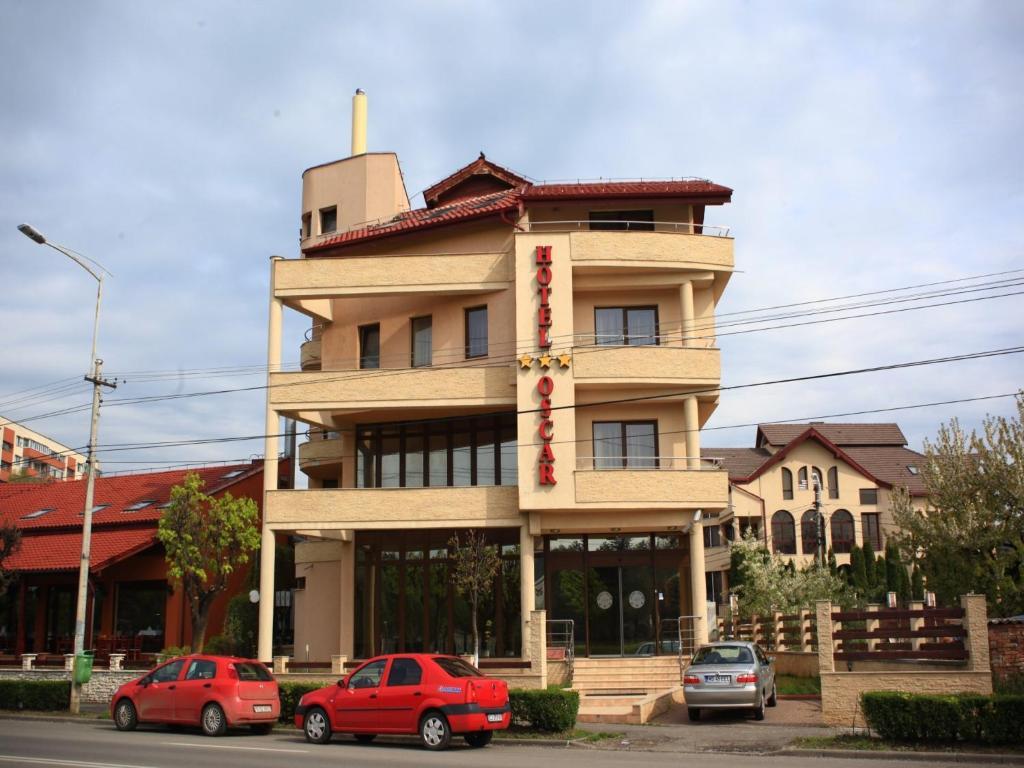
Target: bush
<point>40,695</point>
<point>172,651</point>
<point>553,710</point>
<point>219,645</point>
<point>290,693</point>
<point>995,719</point>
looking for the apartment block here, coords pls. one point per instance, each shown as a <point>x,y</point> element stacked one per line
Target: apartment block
<point>27,452</point>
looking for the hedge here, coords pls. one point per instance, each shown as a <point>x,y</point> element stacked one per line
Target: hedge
<point>290,693</point>
<point>997,719</point>
<point>40,695</point>
<point>553,710</point>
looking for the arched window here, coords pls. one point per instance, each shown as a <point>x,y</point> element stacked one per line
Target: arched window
<point>801,479</point>
<point>783,533</point>
<point>787,484</point>
<point>817,478</point>
<point>842,531</point>
<point>809,532</point>
<point>833,483</point>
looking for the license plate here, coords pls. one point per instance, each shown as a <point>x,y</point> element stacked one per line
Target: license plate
<point>262,708</point>
<point>495,718</point>
<point>717,679</point>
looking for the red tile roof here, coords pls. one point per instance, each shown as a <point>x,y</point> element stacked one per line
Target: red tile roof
<point>61,551</point>
<point>66,499</point>
<point>480,166</point>
<point>702,189</point>
<point>840,434</point>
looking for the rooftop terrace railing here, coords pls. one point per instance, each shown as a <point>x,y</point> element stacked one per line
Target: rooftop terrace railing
<point>626,225</point>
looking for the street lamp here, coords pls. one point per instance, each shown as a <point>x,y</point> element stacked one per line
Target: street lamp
<point>94,377</point>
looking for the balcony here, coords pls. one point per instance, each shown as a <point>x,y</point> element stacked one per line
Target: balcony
<point>667,484</point>
<point>393,508</point>
<point>596,365</point>
<point>394,388</point>
<point>321,457</point>
<point>309,355</point>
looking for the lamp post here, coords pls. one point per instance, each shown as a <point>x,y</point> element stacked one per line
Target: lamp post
<point>94,377</point>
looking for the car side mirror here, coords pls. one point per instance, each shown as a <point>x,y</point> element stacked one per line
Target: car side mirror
<point>145,681</point>
<point>343,683</point>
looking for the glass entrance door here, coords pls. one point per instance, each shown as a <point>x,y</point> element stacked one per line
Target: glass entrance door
<point>621,612</point>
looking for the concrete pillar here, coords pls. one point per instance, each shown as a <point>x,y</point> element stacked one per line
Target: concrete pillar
<point>347,598</point>
<point>976,623</point>
<point>691,424</point>
<point>338,664</point>
<point>826,661</point>
<point>780,638</point>
<point>698,587</point>
<point>805,625</point>
<point>265,643</point>
<point>686,303</point>
<point>872,625</point>
<point>916,623</point>
<point>538,642</point>
<point>527,599</point>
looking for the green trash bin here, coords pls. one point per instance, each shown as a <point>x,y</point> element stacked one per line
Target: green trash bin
<point>83,668</point>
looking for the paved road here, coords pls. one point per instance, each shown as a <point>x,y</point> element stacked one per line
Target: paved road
<point>98,745</point>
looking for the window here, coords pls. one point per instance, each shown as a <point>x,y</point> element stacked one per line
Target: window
<point>633,326</point>
<point>422,341</point>
<point>233,474</point>
<point>201,669</point>
<point>476,332</point>
<point>37,513</point>
<point>713,585</point>
<point>404,672</point>
<point>328,219</point>
<point>8,446</point>
<point>871,531</point>
<point>783,533</point>
<point>368,676</point>
<point>138,505</point>
<point>833,483</point>
<point>712,536</point>
<point>809,532</point>
<point>167,673</point>
<point>787,484</point>
<point>456,667</point>
<point>842,531</point>
<point>250,671</point>
<point>634,221</point>
<point>912,469</point>
<point>625,444</point>
<point>817,479</point>
<point>369,346</point>
<point>329,482</point>
<point>801,478</point>
<point>307,225</point>
<point>868,495</point>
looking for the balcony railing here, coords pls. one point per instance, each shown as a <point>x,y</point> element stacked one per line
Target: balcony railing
<point>585,225</point>
<point>647,463</point>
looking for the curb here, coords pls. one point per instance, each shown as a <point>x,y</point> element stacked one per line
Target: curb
<point>974,758</point>
<point>799,697</point>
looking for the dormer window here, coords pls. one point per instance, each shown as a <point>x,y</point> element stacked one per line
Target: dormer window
<point>912,469</point>
<point>37,513</point>
<point>139,505</point>
<point>328,220</point>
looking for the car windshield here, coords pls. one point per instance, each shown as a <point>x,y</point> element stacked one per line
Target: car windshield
<point>456,667</point>
<point>249,671</point>
<point>723,654</point>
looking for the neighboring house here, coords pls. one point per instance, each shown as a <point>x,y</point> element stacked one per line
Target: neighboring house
<point>534,360</point>
<point>772,489</point>
<point>130,604</point>
<point>27,452</point>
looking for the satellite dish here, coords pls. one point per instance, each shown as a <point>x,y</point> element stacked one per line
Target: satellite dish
<point>254,596</point>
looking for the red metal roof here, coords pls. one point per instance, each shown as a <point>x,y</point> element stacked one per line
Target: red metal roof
<point>61,551</point>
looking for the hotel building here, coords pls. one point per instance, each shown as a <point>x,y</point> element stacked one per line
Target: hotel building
<point>530,360</point>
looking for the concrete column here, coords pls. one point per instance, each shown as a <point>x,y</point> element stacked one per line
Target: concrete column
<point>347,597</point>
<point>826,661</point>
<point>271,427</point>
<point>686,303</point>
<point>698,586</point>
<point>527,599</point>
<point>538,641</point>
<point>976,623</point>
<point>691,424</point>
<point>780,638</point>
<point>805,625</point>
<point>872,625</point>
<point>916,623</point>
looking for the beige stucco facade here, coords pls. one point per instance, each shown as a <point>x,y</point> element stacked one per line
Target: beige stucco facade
<point>384,284</point>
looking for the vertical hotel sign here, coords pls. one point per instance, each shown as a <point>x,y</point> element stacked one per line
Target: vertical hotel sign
<point>545,385</point>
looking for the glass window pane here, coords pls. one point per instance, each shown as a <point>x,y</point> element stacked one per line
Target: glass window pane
<point>369,346</point>
<point>608,448</point>
<point>476,332</point>
<point>641,446</point>
<point>461,457</point>
<point>642,326</point>
<point>608,325</point>
<point>422,341</point>
<point>509,457</point>
<point>574,544</point>
<point>438,460</point>
<point>389,460</point>
<point>414,461</point>
<point>414,608</point>
<point>485,458</point>
<point>366,465</point>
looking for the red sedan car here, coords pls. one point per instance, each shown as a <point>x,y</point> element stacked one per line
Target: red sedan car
<point>213,692</point>
<point>434,696</point>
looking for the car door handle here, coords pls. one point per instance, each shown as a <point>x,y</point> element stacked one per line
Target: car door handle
<point>417,693</point>
<point>373,695</point>
<point>171,687</point>
<point>207,685</point>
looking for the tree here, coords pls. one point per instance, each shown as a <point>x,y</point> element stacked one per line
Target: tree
<point>916,584</point>
<point>871,580</point>
<point>971,539</point>
<point>206,539</point>
<point>10,542</point>
<point>24,476</point>
<point>476,565</point>
<point>858,571</point>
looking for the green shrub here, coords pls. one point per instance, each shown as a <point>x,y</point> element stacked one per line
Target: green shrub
<point>41,695</point>
<point>552,710</point>
<point>219,645</point>
<point>995,719</point>
<point>172,651</point>
<point>290,693</point>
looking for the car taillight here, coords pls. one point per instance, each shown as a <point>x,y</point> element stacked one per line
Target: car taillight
<point>691,680</point>
<point>746,678</point>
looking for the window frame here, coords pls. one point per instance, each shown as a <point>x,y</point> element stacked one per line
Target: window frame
<point>806,525</point>
<point>833,482</point>
<point>624,336</point>
<point>412,338</point>
<point>362,330</point>
<point>466,315</point>
<point>776,539</point>
<point>623,456</point>
<point>875,530</point>
<point>333,209</point>
<point>787,484</point>
<point>842,544</point>
<point>403,684</point>
<point>871,496</point>
<point>802,479</point>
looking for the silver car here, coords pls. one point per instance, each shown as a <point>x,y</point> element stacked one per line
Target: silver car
<point>729,675</point>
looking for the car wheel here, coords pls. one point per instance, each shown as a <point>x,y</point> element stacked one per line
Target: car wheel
<point>434,731</point>
<point>365,738</point>
<point>759,709</point>
<point>125,716</point>
<point>213,721</point>
<point>316,726</point>
<point>773,700</point>
<point>693,713</point>
<point>262,728</point>
<point>479,739</point>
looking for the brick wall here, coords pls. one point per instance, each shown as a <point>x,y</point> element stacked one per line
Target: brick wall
<point>1006,650</point>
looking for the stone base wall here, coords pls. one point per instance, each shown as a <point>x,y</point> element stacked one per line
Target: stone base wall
<point>795,663</point>
<point>558,673</point>
<point>97,691</point>
<point>1006,650</point>
<point>840,691</point>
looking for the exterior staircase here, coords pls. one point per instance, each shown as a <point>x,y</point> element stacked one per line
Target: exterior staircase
<point>627,689</point>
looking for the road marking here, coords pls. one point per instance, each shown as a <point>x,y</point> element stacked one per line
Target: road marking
<point>230,746</point>
<point>72,763</point>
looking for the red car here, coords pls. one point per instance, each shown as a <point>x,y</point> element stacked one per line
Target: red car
<point>428,694</point>
<point>214,692</point>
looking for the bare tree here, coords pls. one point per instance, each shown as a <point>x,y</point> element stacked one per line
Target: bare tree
<point>476,565</point>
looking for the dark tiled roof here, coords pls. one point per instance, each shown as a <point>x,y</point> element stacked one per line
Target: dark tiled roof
<point>889,463</point>
<point>479,166</point>
<point>843,435</point>
<point>740,462</point>
<point>597,189</point>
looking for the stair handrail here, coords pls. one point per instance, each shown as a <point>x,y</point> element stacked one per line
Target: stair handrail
<point>561,633</point>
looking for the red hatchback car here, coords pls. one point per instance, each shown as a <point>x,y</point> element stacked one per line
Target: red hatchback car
<point>434,696</point>
<point>213,692</point>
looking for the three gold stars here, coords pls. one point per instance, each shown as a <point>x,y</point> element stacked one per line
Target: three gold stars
<point>546,361</point>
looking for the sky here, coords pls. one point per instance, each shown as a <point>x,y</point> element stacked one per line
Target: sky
<point>871,145</point>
